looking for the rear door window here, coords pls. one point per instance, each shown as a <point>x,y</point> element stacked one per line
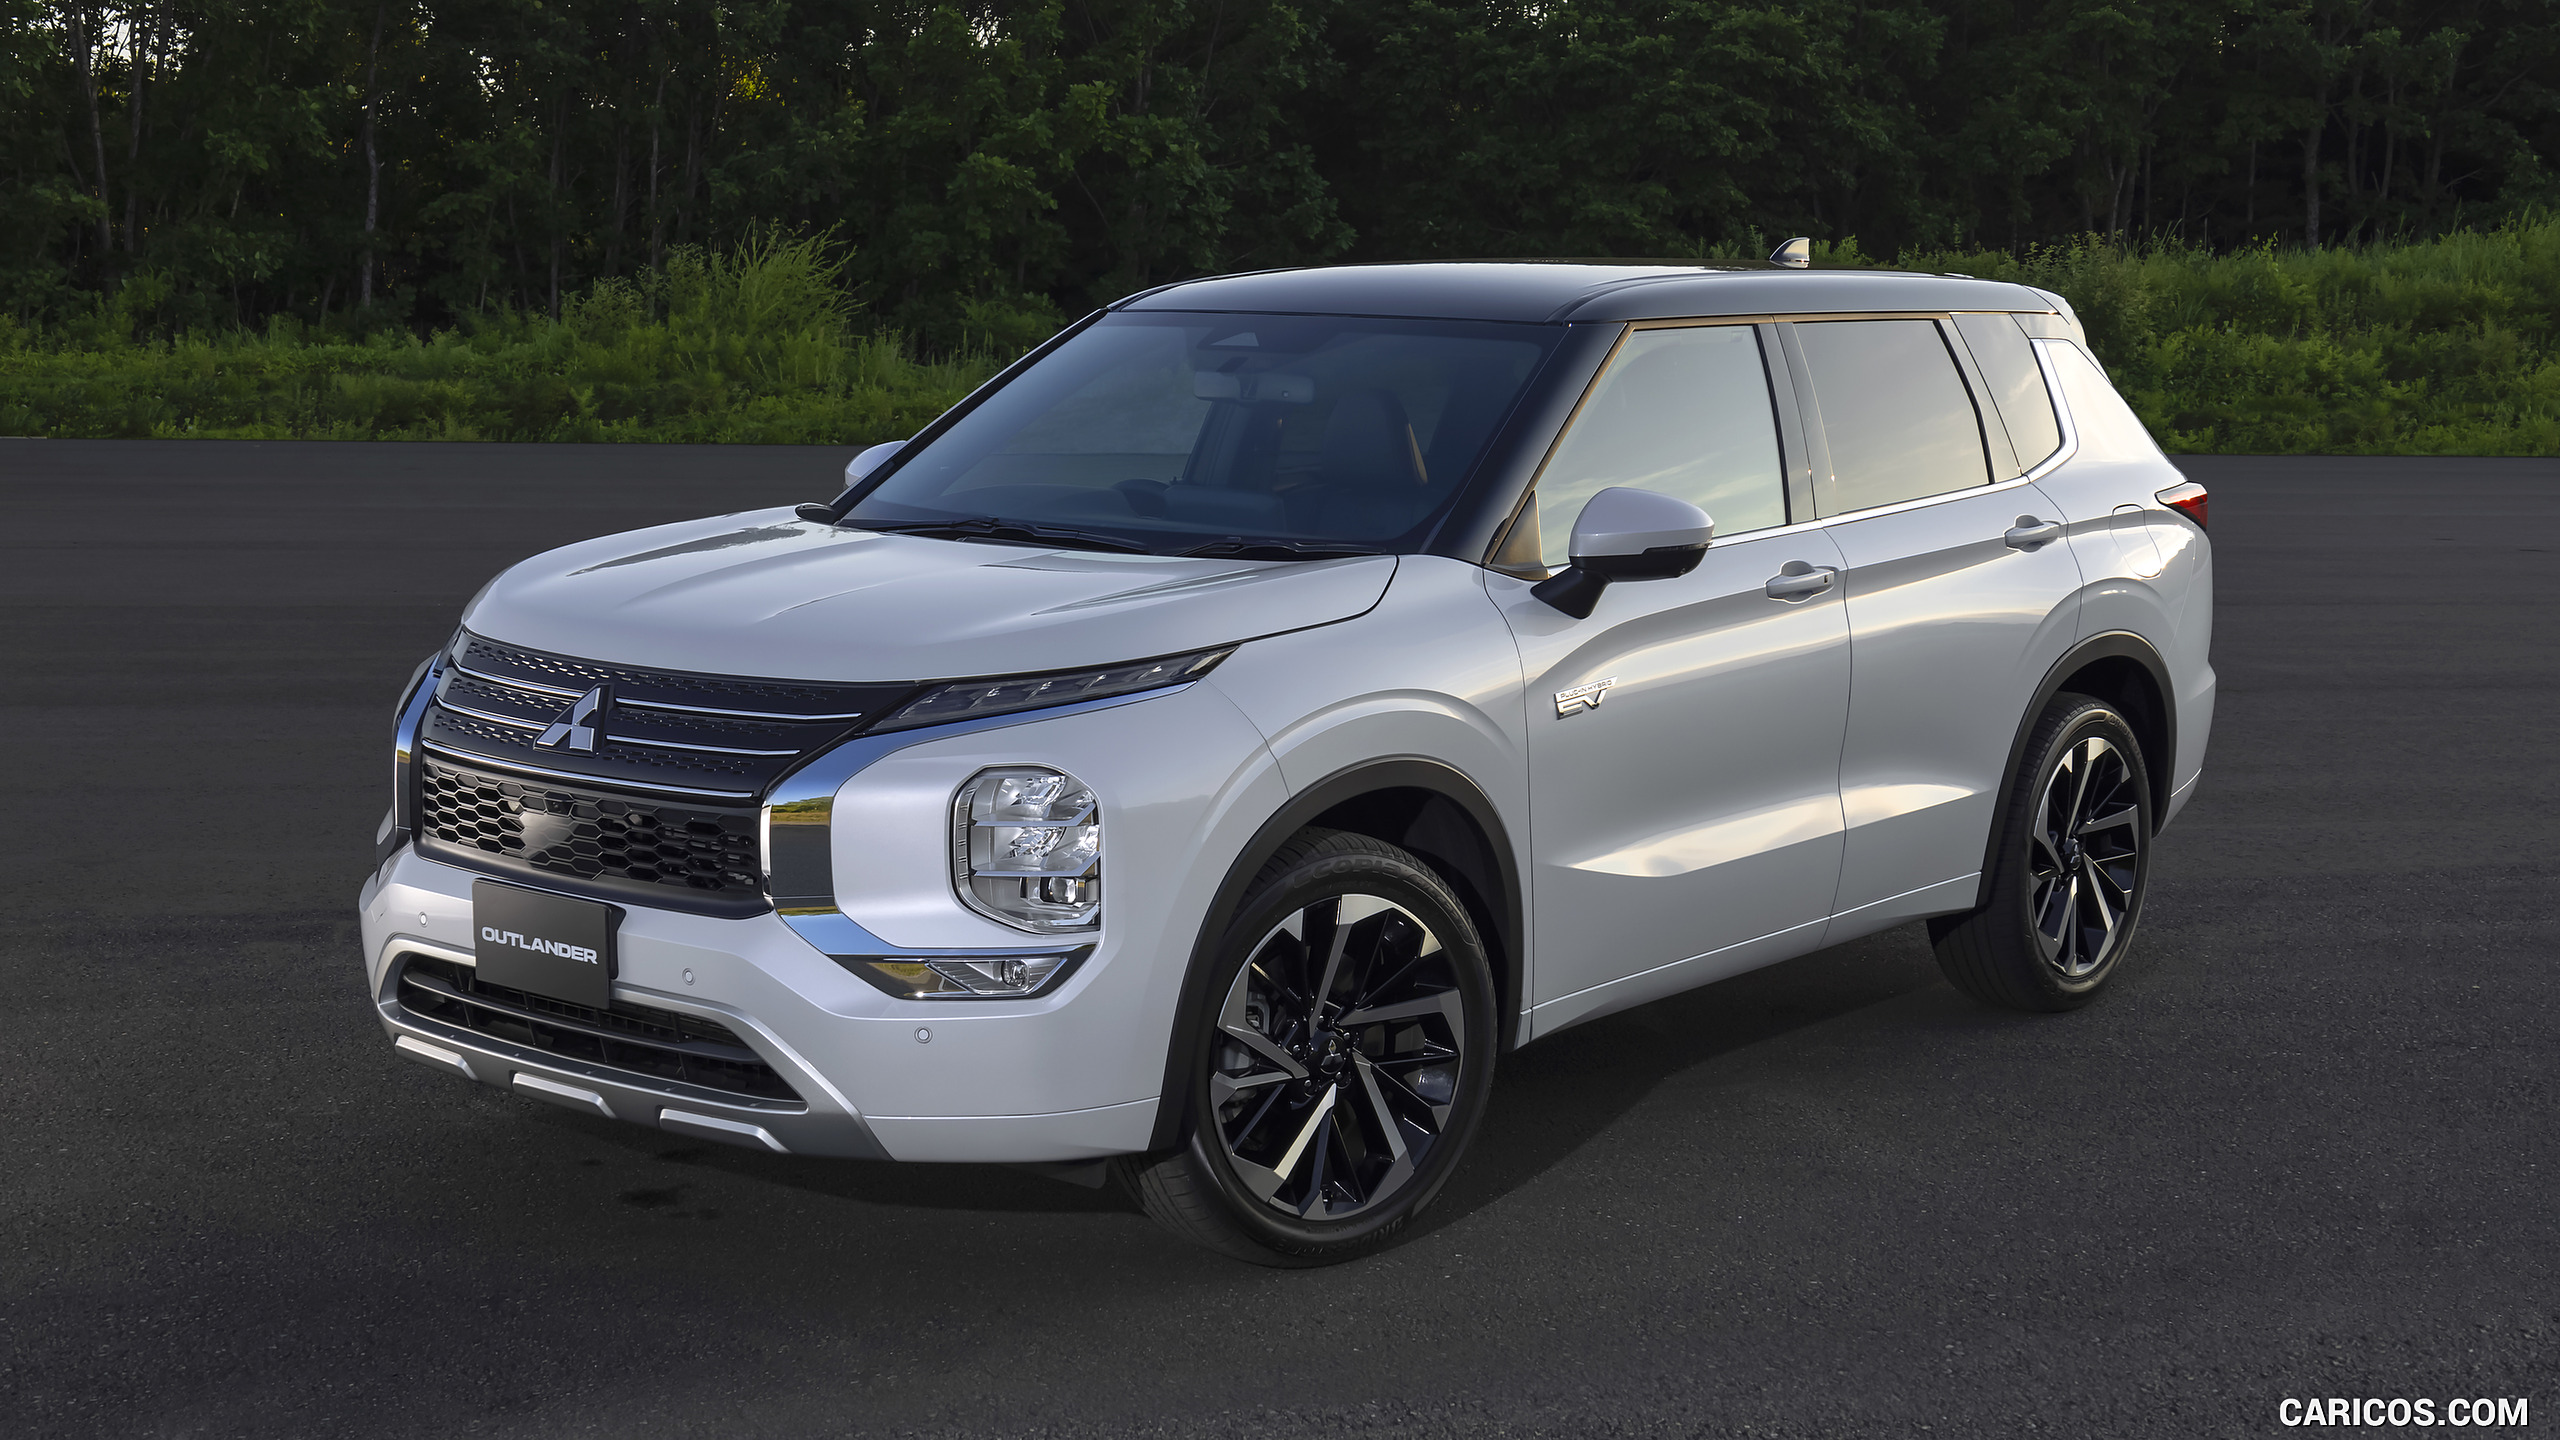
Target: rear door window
<point>1685,411</point>
<point>2007,360</point>
<point>1895,412</point>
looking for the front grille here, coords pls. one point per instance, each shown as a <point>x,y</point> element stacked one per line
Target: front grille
<point>637,845</point>
<point>653,799</point>
<point>710,692</point>
<point>651,1043</point>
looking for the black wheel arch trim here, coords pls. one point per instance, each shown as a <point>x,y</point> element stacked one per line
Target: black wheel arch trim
<point>1301,811</point>
<point>2110,645</point>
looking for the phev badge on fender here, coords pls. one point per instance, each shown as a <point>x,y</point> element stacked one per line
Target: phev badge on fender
<point>1583,697</point>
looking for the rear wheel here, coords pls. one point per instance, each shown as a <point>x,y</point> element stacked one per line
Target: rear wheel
<point>1341,1065</point>
<point>2066,883</point>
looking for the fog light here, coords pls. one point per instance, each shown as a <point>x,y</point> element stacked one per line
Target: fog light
<point>1026,848</point>
<point>969,977</point>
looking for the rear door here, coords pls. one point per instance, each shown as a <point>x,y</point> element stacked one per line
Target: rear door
<point>1961,593</point>
<point>1684,740</point>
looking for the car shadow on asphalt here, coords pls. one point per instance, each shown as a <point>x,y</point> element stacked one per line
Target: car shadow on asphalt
<point>1549,1099</point>
<point>1555,1096</point>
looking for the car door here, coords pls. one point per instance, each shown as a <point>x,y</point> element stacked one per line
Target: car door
<point>1960,594</point>
<point>1684,740</point>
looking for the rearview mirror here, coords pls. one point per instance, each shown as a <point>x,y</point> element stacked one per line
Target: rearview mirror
<point>1626,534</point>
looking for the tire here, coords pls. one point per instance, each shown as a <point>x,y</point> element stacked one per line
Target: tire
<point>2068,874</point>
<point>1313,1136</point>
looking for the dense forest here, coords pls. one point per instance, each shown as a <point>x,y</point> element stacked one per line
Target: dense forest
<point>983,169</point>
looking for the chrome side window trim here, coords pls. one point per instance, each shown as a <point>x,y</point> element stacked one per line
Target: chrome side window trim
<point>1811,407</point>
<point>2070,445</point>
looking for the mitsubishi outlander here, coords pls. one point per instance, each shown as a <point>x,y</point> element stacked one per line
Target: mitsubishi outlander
<point>1208,749</point>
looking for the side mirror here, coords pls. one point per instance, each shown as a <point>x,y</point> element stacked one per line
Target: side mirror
<point>869,460</point>
<point>1626,534</point>
<point>824,512</point>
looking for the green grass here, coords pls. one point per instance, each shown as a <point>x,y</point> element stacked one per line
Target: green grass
<point>759,346</point>
<point>2448,346</point>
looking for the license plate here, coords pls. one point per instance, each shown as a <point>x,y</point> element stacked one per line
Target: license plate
<point>544,944</point>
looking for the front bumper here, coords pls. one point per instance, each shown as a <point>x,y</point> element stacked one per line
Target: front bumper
<point>1071,1075</point>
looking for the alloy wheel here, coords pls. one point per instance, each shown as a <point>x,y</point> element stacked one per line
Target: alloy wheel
<point>2085,859</point>
<point>1338,1057</point>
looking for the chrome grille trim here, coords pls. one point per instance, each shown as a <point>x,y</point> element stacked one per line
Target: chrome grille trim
<point>467,758</point>
<point>671,745</point>
<point>554,691</point>
<point>492,717</point>
<point>723,714</point>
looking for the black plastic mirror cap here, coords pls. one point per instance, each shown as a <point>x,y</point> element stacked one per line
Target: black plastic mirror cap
<point>1662,562</point>
<point>1576,590</point>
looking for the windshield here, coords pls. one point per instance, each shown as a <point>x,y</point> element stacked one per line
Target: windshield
<point>1179,432</point>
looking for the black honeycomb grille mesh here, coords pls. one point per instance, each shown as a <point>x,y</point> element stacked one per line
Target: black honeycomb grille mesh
<point>568,832</point>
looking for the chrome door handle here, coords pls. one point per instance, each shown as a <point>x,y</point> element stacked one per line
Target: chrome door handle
<point>2031,532</point>
<point>1797,580</point>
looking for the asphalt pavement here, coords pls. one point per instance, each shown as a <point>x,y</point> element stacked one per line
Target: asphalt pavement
<point>2306,1146</point>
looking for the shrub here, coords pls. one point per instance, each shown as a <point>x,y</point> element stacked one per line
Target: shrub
<point>756,345</point>
<point>2445,346</point>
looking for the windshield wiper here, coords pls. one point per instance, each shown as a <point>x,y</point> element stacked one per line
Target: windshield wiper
<point>988,527</point>
<point>1236,549</point>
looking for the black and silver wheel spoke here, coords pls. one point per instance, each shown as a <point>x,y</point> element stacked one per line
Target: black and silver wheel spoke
<point>1341,1042</point>
<point>2084,856</point>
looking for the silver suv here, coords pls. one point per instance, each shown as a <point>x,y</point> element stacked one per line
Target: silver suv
<point>1203,752</point>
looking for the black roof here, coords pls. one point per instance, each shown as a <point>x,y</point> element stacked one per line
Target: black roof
<point>1559,291</point>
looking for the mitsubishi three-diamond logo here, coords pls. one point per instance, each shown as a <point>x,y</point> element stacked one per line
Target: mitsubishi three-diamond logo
<point>575,730</point>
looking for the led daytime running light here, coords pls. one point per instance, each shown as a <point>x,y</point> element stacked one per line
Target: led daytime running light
<point>970,699</point>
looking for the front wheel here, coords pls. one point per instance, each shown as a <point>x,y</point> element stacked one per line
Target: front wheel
<point>2067,879</point>
<point>1340,1066</point>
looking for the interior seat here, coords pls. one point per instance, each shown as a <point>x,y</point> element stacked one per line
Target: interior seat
<point>1370,481</point>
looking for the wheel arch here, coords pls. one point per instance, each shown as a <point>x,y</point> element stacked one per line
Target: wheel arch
<point>1420,805</point>
<point>2127,672</point>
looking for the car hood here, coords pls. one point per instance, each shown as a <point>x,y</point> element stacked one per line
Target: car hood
<point>764,593</point>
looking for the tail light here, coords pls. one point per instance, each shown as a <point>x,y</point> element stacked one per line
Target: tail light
<point>2187,500</point>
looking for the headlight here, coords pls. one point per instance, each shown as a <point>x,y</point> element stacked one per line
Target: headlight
<point>1026,848</point>
<point>972,977</point>
<point>969,699</point>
